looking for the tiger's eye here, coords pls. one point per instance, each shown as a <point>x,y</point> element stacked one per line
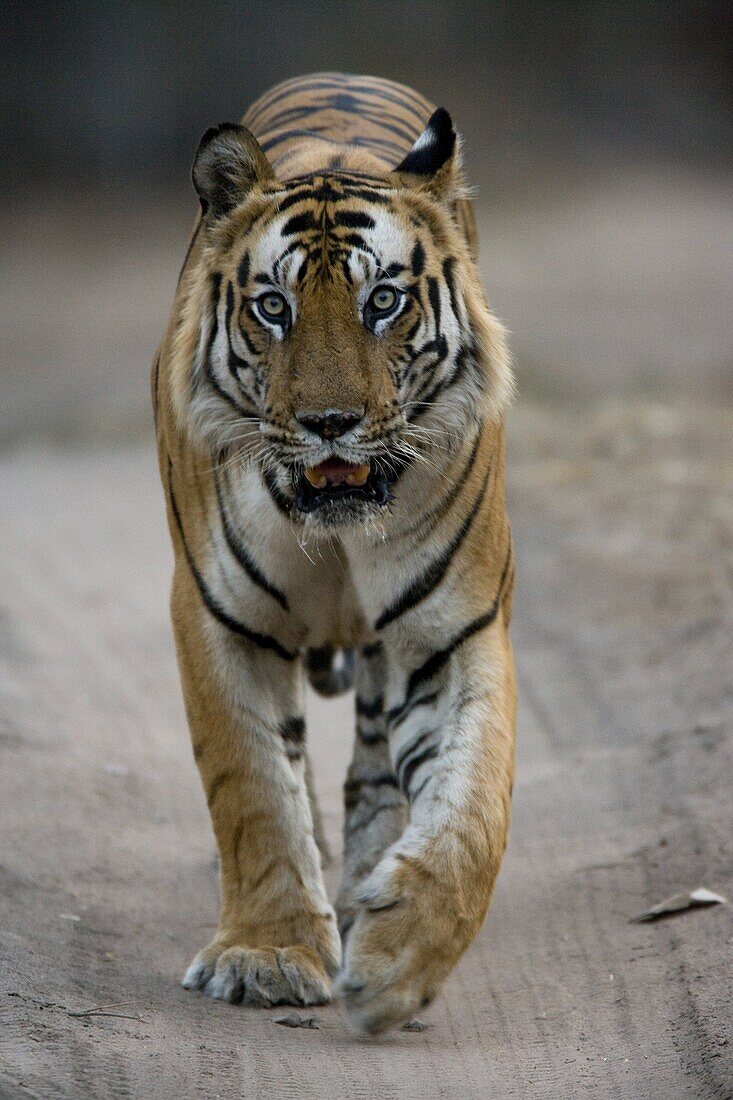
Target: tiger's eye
<point>383,299</point>
<point>273,305</point>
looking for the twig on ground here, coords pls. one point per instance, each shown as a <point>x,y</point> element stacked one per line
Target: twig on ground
<point>102,1010</point>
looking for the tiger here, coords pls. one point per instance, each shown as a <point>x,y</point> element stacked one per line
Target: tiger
<point>329,399</point>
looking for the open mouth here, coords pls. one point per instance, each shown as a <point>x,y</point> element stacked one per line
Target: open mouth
<point>335,480</point>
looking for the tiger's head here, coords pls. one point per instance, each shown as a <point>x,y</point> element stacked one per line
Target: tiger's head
<point>335,320</point>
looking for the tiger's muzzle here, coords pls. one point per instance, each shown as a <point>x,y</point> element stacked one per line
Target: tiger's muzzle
<point>336,482</point>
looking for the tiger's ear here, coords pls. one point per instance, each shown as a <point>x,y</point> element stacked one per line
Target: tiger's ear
<point>228,164</point>
<point>433,161</point>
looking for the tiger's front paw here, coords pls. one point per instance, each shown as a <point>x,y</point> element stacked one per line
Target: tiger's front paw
<point>405,939</point>
<point>260,976</point>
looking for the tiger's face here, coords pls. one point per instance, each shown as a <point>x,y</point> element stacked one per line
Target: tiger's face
<point>339,342</point>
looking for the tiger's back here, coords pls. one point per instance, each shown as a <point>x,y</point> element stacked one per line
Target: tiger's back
<point>340,121</point>
<point>380,116</point>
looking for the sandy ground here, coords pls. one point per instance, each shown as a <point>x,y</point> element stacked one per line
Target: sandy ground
<point>623,630</point>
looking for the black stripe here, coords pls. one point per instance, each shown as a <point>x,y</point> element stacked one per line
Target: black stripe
<point>371,112</point>
<point>421,588</point>
<point>427,395</point>
<point>440,658</point>
<point>369,710</point>
<point>417,260</point>
<point>410,749</point>
<point>292,730</point>
<point>439,345</point>
<point>384,779</point>
<point>348,103</point>
<point>399,100</point>
<point>224,395</point>
<point>345,179</point>
<point>281,501</point>
<point>397,715</point>
<point>299,223</point>
<point>293,87</point>
<point>299,194</point>
<point>208,364</point>
<point>296,84</point>
<point>416,794</point>
<point>448,264</point>
<point>357,241</point>
<point>229,310</point>
<point>242,331</point>
<point>264,641</point>
<point>368,194</point>
<point>371,650</point>
<point>377,86</point>
<point>408,94</point>
<point>443,507</point>
<point>237,364</point>
<point>353,787</point>
<point>434,298</point>
<point>379,143</point>
<point>353,219</point>
<point>214,308</point>
<point>413,328</point>
<point>286,135</point>
<point>242,556</point>
<point>361,185</point>
<point>391,271</point>
<point>369,737</point>
<point>234,359</point>
<point>323,190</point>
<point>424,393</point>
<point>243,270</point>
<point>292,247</point>
<point>416,762</point>
<point>297,112</point>
<point>465,357</point>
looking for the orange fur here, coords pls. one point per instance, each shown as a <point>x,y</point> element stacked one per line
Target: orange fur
<point>433,598</point>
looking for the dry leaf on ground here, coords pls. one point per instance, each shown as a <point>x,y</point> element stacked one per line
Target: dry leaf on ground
<point>294,1019</point>
<point>689,899</point>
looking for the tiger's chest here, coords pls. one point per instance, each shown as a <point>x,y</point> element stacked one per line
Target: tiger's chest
<point>267,568</point>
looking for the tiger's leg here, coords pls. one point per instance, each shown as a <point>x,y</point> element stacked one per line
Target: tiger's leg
<point>276,941</point>
<point>319,832</point>
<point>451,730</point>
<point>376,810</point>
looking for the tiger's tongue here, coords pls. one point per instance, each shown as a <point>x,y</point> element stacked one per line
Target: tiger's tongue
<point>334,471</point>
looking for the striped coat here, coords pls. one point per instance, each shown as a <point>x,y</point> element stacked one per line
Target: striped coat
<point>329,401</point>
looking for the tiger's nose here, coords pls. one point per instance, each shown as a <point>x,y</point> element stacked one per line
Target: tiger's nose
<point>332,423</point>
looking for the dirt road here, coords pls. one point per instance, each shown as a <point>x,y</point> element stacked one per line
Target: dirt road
<point>623,632</point>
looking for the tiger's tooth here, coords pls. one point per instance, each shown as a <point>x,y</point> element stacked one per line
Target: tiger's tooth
<point>318,481</point>
<point>357,476</point>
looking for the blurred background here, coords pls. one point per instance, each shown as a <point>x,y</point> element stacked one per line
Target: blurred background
<point>597,136</point>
